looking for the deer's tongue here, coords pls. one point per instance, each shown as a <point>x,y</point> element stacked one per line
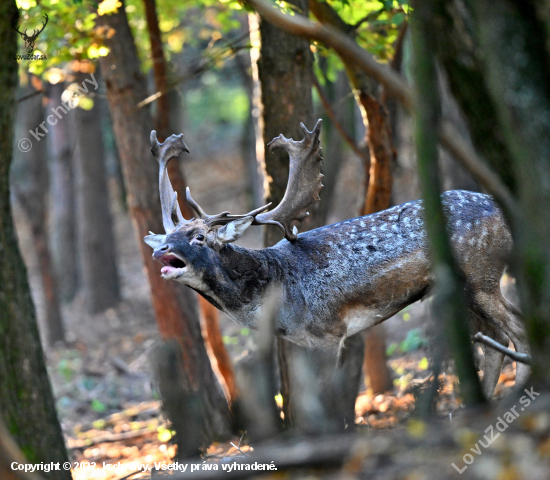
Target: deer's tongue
<point>166,269</point>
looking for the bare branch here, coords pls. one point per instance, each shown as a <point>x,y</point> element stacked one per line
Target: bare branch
<point>203,65</point>
<point>341,43</point>
<point>517,356</point>
<point>349,51</point>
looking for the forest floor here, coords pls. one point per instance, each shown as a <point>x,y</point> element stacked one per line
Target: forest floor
<point>111,415</point>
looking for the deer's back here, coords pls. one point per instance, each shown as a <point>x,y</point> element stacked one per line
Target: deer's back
<point>357,273</point>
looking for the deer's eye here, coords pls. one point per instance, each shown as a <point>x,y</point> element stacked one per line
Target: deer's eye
<point>200,237</point>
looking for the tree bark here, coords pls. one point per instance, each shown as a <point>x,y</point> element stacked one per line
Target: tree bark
<point>62,199</point>
<point>26,400</point>
<point>174,304</point>
<point>97,253</point>
<point>283,68</point>
<point>30,185</point>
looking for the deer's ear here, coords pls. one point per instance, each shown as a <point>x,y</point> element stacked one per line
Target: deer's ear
<point>233,230</point>
<point>154,240</point>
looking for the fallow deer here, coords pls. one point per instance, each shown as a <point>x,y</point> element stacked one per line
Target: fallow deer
<point>339,279</point>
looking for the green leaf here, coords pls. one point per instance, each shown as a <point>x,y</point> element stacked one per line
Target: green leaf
<point>413,341</point>
<point>98,406</point>
<point>398,18</point>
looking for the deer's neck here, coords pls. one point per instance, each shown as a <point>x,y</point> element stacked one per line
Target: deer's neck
<point>238,282</point>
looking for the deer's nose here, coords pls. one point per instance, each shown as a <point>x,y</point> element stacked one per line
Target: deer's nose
<point>161,250</point>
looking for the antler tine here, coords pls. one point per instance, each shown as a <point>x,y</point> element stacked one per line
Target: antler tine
<point>17,28</point>
<point>221,218</point>
<point>38,31</point>
<point>172,147</point>
<point>43,24</point>
<point>304,181</point>
<point>194,205</point>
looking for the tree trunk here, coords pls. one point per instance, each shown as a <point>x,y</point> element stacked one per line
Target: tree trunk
<point>378,197</point>
<point>221,361</point>
<point>174,304</point>
<point>62,198</point>
<point>377,174</point>
<point>26,400</point>
<point>458,50</point>
<point>284,70</point>
<point>30,186</point>
<point>9,453</point>
<point>517,77</point>
<point>97,253</point>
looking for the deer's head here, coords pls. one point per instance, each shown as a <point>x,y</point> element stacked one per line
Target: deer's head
<point>31,39</point>
<point>190,248</point>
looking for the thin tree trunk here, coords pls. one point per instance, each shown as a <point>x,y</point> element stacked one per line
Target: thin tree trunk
<point>248,138</point>
<point>221,361</point>
<point>378,197</point>
<point>174,304</point>
<point>26,401</point>
<point>62,198</point>
<point>30,185</point>
<point>450,302</point>
<point>283,69</point>
<point>333,154</point>
<point>97,253</point>
<point>164,115</point>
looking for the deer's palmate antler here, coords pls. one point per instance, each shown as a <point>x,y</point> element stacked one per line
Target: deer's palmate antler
<point>304,181</point>
<point>339,279</point>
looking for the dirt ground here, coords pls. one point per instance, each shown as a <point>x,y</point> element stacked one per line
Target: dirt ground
<point>106,399</point>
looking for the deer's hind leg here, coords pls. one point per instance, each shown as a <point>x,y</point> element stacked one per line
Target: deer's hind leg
<point>515,331</point>
<point>492,358</point>
<point>497,318</point>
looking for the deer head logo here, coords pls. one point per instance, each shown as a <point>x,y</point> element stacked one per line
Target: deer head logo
<point>31,39</point>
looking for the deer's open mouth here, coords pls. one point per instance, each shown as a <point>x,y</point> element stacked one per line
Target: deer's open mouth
<point>173,265</point>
